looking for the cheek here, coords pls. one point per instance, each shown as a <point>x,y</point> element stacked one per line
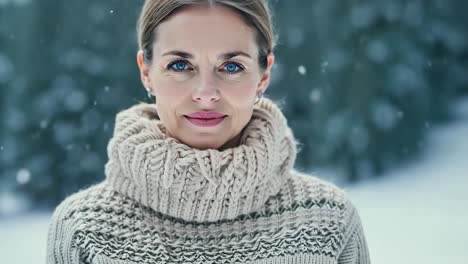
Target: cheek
<point>241,97</point>
<point>170,90</point>
<point>242,92</point>
<point>169,96</point>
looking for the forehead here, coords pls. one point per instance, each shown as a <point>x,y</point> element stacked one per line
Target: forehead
<point>205,29</point>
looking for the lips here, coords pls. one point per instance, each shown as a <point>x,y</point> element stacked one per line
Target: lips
<point>205,115</point>
<point>205,118</point>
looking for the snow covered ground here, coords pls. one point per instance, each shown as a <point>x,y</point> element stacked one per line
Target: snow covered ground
<point>23,239</point>
<point>419,213</point>
<point>414,214</point>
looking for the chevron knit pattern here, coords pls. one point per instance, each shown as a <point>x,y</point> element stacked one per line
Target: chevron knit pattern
<point>165,202</point>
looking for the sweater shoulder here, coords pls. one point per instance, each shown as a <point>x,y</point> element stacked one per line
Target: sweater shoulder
<point>67,225</point>
<point>309,186</point>
<point>320,200</point>
<point>85,204</point>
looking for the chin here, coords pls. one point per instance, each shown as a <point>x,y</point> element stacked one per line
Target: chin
<point>203,145</point>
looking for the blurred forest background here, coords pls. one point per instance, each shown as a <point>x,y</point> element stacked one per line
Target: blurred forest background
<point>361,81</point>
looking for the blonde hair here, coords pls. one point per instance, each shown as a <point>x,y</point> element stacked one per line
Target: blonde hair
<point>256,14</point>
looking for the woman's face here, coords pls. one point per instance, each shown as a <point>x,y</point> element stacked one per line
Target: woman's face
<point>205,59</point>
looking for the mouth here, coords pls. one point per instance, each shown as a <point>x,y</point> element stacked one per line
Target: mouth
<point>205,122</point>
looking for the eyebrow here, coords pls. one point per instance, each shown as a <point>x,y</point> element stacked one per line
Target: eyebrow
<point>229,55</point>
<point>224,56</point>
<point>182,54</point>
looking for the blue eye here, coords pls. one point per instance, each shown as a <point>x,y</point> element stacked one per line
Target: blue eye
<point>178,66</point>
<point>232,68</point>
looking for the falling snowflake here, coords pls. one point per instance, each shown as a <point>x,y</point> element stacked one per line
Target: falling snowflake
<point>302,70</point>
<point>23,176</point>
<point>323,66</point>
<point>44,124</point>
<point>315,95</point>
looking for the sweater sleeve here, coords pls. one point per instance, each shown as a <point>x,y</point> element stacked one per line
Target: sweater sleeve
<point>60,248</point>
<point>355,250</point>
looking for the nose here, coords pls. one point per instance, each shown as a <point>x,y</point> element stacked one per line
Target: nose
<point>206,90</point>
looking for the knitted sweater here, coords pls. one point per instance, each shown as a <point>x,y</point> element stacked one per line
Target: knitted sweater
<point>165,202</point>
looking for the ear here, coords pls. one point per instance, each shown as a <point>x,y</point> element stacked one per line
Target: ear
<point>265,81</point>
<point>144,71</point>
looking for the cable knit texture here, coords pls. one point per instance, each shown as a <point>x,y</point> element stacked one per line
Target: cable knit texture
<point>200,185</point>
<point>165,202</point>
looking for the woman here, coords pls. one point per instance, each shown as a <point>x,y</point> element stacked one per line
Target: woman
<point>206,174</point>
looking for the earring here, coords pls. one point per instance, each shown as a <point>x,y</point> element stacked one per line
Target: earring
<point>149,93</point>
<point>259,96</point>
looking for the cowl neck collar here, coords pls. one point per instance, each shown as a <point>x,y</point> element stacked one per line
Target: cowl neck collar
<point>175,179</point>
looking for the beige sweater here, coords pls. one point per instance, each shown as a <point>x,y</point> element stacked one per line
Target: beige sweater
<point>165,202</point>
